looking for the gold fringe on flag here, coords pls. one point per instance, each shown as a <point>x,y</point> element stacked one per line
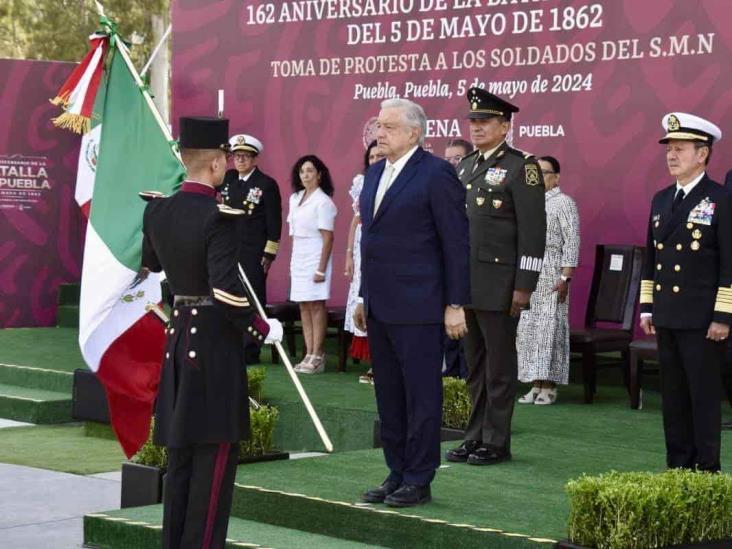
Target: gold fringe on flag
<point>73,122</point>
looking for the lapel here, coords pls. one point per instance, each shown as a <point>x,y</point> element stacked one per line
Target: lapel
<point>368,193</point>
<point>486,165</point>
<point>398,185</point>
<point>682,214</point>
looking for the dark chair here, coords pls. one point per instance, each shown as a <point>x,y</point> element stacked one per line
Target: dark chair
<point>613,299</point>
<point>640,350</point>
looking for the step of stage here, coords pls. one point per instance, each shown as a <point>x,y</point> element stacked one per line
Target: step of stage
<point>141,528</point>
<point>322,496</point>
<point>34,405</point>
<point>32,377</point>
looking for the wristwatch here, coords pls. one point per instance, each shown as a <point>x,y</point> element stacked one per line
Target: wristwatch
<point>566,278</point>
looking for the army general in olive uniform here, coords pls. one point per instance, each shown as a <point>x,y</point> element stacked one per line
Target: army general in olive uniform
<point>202,408</point>
<point>686,292</point>
<point>257,195</point>
<point>505,205</point>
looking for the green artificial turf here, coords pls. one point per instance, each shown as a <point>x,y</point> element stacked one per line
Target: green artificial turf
<point>551,445</point>
<point>51,348</point>
<point>59,448</point>
<point>140,528</point>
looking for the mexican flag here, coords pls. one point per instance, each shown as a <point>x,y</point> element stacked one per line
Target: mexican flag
<point>120,341</point>
<point>88,154</point>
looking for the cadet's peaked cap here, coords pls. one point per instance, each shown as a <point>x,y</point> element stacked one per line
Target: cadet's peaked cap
<point>483,104</point>
<point>203,132</point>
<point>688,127</point>
<point>243,142</point>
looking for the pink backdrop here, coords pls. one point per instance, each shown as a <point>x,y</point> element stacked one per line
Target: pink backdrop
<point>605,136</point>
<point>41,229</point>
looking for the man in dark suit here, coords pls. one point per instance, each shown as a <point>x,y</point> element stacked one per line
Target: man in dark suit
<point>415,281</point>
<point>686,293</point>
<point>202,408</point>
<point>257,195</point>
<point>505,205</point>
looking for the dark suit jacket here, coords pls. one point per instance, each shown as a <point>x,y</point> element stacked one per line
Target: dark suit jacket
<point>415,252</point>
<point>687,273</point>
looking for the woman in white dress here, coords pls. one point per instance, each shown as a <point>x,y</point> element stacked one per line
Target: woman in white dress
<point>543,331</point>
<point>359,344</point>
<point>311,218</point>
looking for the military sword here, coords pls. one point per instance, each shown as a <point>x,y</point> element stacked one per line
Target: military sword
<point>288,366</point>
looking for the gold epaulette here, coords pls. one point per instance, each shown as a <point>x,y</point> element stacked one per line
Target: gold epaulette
<point>147,196</point>
<point>646,292</point>
<point>724,300</point>
<point>229,211</point>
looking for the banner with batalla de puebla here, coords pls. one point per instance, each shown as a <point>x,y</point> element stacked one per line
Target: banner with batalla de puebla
<point>592,77</point>
<point>40,223</point>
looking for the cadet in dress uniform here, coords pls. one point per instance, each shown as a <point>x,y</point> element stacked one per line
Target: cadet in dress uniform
<point>255,193</point>
<point>686,293</point>
<point>202,408</point>
<point>505,205</point>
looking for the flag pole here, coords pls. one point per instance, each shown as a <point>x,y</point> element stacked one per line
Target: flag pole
<point>288,366</point>
<point>122,49</point>
<point>156,50</point>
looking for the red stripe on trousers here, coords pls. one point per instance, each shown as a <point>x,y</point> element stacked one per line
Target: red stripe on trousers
<point>218,477</point>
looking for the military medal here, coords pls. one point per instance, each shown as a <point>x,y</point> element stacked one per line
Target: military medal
<point>255,195</point>
<point>695,245</point>
<point>480,200</point>
<point>697,234</point>
<point>495,176</point>
<point>497,203</point>
<point>703,212</point>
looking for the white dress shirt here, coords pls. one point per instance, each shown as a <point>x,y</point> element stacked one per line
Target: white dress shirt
<point>391,172</point>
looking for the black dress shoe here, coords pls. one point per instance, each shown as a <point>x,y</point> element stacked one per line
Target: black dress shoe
<point>409,495</point>
<point>488,455</point>
<point>461,453</point>
<point>727,425</point>
<point>377,495</point>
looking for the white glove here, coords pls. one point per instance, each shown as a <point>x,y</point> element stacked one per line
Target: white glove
<point>275,331</point>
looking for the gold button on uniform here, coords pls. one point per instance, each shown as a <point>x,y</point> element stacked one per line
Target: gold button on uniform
<point>468,187</point>
<point>695,245</point>
<point>658,267</point>
<point>696,234</point>
<point>194,312</point>
<point>192,354</point>
<point>660,246</point>
<point>689,225</point>
<point>172,330</point>
<point>176,312</point>
<point>167,355</point>
<point>677,268</point>
<point>679,247</point>
<point>194,330</point>
<point>676,289</point>
<point>658,287</point>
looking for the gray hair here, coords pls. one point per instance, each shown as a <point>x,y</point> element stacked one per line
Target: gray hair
<point>413,114</point>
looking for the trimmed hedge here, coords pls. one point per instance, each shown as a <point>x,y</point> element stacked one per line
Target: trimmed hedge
<point>647,510</point>
<point>455,403</point>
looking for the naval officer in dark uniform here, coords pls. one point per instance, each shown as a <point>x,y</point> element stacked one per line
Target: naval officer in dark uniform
<point>505,206</point>
<point>256,194</point>
<point>686,292</point>
<point>202,408</point>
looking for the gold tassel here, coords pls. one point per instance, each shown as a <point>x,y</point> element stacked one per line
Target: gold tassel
<point>74,122</point>
<point>62,100</point>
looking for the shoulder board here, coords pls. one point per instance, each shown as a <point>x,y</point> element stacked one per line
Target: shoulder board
<point>147,196</point>
<point>523,154</point>
<point>228,211</point>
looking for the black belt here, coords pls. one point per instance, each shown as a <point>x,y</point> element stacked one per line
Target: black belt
<point>193,301</point>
